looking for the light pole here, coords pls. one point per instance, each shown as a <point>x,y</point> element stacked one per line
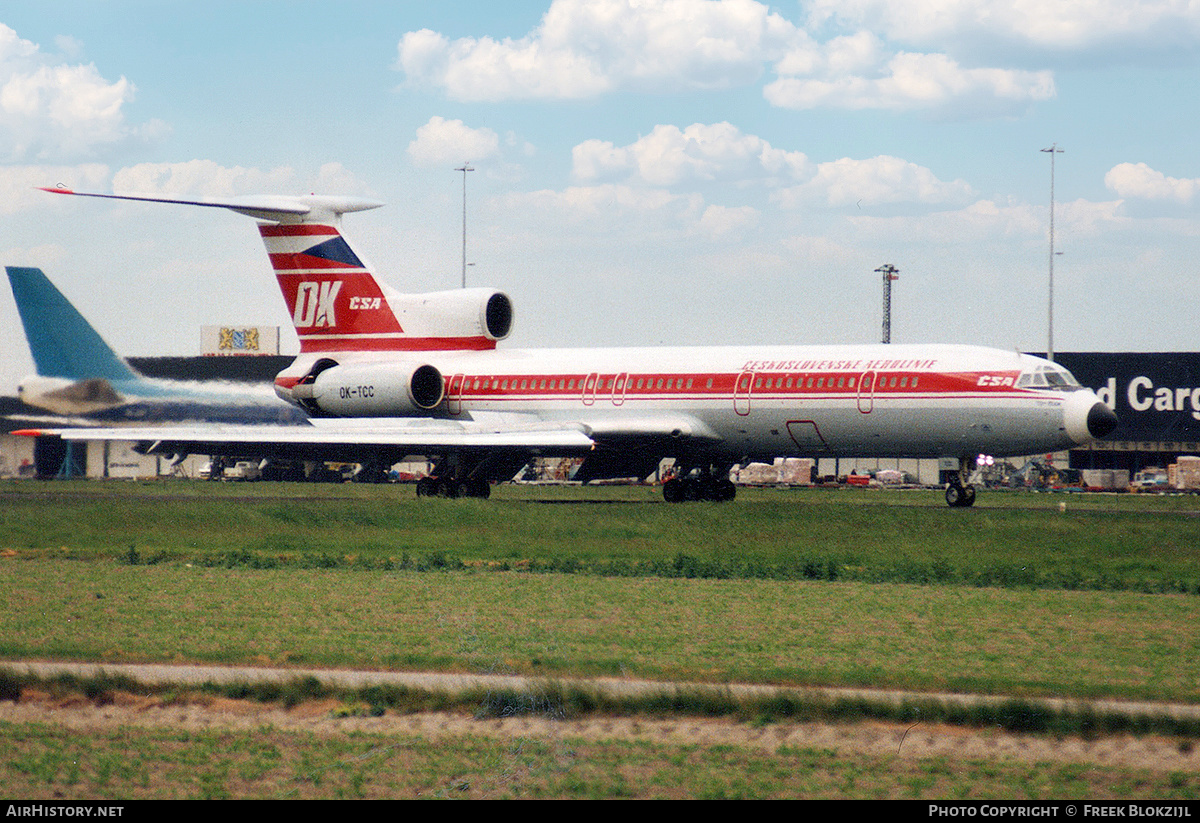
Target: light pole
<point>464,168</point>
<point>1053,150</point>
<point>890,273</point>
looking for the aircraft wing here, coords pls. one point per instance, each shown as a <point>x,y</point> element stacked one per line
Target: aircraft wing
<point>335,442</point>
<point>613,446</point>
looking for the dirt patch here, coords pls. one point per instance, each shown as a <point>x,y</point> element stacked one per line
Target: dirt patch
<point>871,737</point>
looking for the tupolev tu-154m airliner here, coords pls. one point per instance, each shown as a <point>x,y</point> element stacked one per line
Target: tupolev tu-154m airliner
<point>385,376</point>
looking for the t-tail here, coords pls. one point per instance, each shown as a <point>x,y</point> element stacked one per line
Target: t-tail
<point>350,325</point>
<point>338,306</point>
<point>334,300</point>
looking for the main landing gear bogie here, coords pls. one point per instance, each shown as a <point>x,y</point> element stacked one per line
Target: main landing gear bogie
<point>453,488</point>
<point>702,487</point>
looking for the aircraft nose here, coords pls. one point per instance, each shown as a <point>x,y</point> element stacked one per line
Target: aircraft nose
<point>1101,420</point>
<point>1085,417</point>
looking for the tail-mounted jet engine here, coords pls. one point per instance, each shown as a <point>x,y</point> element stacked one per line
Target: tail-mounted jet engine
<point>470,317</point>
<point>369,389</point>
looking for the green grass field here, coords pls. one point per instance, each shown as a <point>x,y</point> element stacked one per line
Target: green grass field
<point>1031,595</point>
<point>50,762</point>
<point>889,589</point>
<point>1115,543</point>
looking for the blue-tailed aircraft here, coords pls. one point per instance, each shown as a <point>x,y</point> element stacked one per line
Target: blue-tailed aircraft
<point>80,377</point>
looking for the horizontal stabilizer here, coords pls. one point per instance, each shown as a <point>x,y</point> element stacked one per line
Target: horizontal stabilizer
<point>280,208</point>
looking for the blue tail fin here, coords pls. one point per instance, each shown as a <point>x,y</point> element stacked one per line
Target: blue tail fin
<point>63,344</point>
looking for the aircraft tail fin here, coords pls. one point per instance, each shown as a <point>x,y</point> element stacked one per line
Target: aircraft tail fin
<point>62,342</point>
<point>334,299</point>
<point>336,303</point>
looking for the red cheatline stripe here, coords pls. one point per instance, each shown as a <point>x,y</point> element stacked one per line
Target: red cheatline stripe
<point>295,230</point>
<point>286,262</point>
<point>308,345</point>
<point>570,385</point>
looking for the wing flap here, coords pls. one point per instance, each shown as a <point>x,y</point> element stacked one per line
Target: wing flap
<point>672,426</point>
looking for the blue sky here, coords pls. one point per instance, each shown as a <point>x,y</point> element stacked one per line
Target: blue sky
<point>646,173</point>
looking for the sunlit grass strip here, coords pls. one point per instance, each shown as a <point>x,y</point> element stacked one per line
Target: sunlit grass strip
<point>924,638</point>
<point>554,700</point>
<point>56,763</point>
<point>814,567</point>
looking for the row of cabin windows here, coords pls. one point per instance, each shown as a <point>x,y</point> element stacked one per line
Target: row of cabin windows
<point>569,384</point>
<point>640,383</point>
<point>843,382</point>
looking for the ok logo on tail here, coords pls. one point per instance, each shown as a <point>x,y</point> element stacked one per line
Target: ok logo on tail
<point>315,303</point>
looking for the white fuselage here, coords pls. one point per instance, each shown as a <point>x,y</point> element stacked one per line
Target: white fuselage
<point>860,400</point>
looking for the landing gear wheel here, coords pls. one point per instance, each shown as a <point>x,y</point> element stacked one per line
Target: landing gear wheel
<point>674,491</point>
<point>959,496</point>
<point>724,489</point>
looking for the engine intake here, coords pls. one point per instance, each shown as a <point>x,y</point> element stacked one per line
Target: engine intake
<point>498,316</point>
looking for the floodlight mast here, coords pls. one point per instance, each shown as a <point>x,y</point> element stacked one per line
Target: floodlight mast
<point>1053,150</point>
<point>464,168</point>
<point>890,273</point>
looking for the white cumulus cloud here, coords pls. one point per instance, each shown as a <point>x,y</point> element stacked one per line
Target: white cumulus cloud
<point>201,178</point>
<point>1137,180</point>
<point>1050,28</point>
<point>587,47</point>
<point>670,156</point>
<point>868,77</point>
<point>54,110</point>
<point>876,181</point>
<point>442,141</point>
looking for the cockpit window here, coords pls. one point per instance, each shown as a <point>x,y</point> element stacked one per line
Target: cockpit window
<point>1049,375</point>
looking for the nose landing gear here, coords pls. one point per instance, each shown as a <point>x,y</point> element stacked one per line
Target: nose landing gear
<point>958,495</point>
<point>959,492</point>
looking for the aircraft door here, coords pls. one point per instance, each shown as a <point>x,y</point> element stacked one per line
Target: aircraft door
<point>741,392</point>
<point>807,437</point>
<point>589,389</point>
<point>618,395</point>
<point>866,392</point>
